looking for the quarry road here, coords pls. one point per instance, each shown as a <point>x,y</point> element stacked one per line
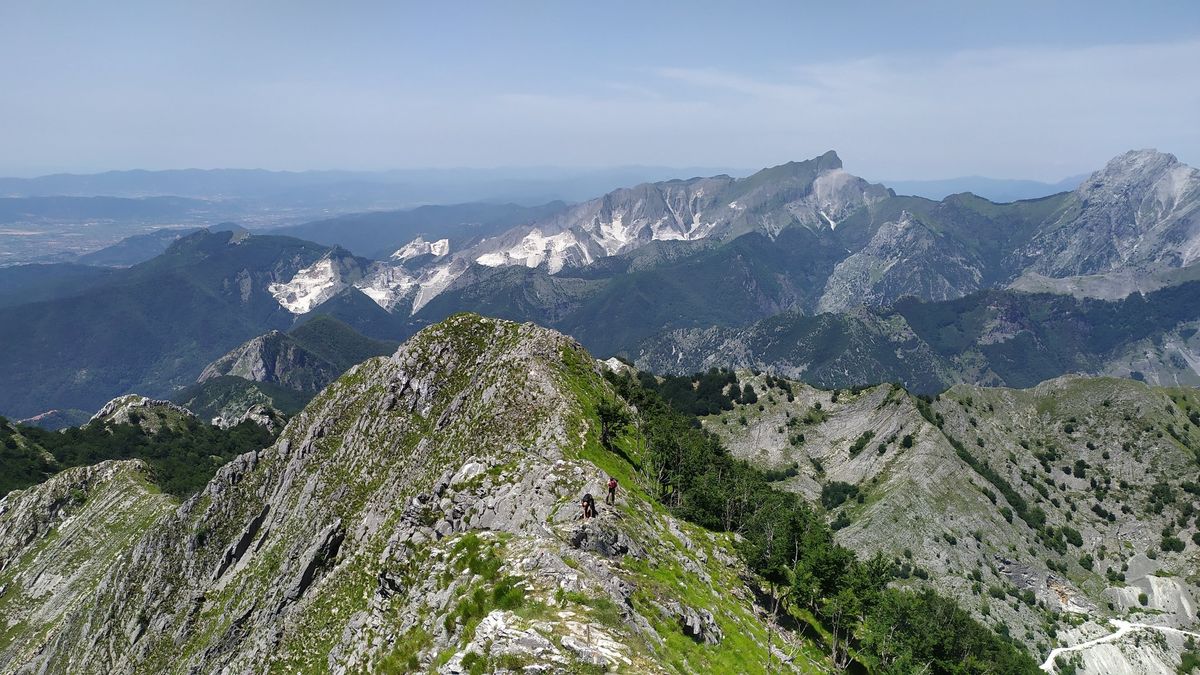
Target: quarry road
<point>1123,628</point>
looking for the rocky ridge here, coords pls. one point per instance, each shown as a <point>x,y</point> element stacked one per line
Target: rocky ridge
<point>420,512</point>
<point>991,338</point>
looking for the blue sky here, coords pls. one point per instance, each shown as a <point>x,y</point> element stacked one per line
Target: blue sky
<point>902,90</point>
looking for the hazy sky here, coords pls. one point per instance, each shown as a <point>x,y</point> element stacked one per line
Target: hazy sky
<point>900,89</point>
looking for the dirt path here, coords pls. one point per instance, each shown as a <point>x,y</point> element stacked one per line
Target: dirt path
<point>1123,628</point>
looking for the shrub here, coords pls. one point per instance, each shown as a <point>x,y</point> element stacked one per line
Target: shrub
<point>835,493</point>
<point>861,442</point>
<point>1172,543</point>
<point>1072,536</point>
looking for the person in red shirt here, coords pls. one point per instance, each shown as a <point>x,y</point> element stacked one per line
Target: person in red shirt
<point>612,491</point>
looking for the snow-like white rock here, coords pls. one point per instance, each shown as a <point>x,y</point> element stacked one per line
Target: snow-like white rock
<point>536,248</point>
<point>310,287</point>
<point>419,247</point>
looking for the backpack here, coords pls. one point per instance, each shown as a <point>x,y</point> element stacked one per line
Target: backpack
<point>612,483</point>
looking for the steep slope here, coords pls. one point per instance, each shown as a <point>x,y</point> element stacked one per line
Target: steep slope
<point>1140,213</point>
<point>59,540</point>
<point>139,248</point>
<point>990,338</point>
<point>280,371</point>
<point>903,258</point>
<point>274,358</point>
<point>616,303</point>
<point>1047,512</point>
<point>816,194</point>
<point>183,453</point>
<point>224,400</point>
<point>420,513</point>
<point>147,414</point>
<point>148,328</point>
<point>875,247</point>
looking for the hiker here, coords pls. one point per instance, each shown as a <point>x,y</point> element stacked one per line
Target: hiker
<point>589,506</point>
<point>612,491</point>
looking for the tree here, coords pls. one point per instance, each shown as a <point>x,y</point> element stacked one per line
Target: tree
<point>613,417</point>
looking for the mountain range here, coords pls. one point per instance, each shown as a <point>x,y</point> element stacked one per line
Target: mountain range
<point>805,242</point>
<point>854,243</point>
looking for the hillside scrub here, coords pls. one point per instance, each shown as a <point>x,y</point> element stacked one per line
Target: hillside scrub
<point>790,546</point>
<point>182,460</point>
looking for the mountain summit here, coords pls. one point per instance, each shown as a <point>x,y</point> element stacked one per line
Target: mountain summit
<point>1138,213</point>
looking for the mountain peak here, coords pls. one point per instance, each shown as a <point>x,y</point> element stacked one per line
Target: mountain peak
<point>1132,166</point>
<point>829,160</point>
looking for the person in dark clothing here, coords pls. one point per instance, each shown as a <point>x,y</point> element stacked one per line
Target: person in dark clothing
<point>589,506</point>
<point>612,491</point>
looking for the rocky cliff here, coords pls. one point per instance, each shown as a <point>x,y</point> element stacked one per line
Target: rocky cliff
<point>1140,213</point>
<point>274,358</point>
<point>419,514</point>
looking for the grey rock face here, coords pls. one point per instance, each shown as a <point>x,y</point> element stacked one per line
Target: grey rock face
<point>1085,456</point>
<point>816,194</point>
<point>904,257</point>
<point>151,414</point>
<point>274,358</point>
<point>1140,213</point>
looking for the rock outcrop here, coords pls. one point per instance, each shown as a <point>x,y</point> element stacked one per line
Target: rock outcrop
<point>1140,213</point>
<point>150,414</point>
<point>274,358</point>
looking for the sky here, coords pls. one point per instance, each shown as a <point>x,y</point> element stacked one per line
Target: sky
<point>902,90</point>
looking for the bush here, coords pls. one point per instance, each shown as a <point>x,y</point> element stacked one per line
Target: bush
<point>861,442</point>
<point>836,493</point>
<point>1172,543</point>
<point>1072,536</point>
<point>907,441</point>
<point>1143,599</point>
<point>786,542</point>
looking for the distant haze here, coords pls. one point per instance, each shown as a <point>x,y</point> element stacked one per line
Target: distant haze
<point>912,91</point>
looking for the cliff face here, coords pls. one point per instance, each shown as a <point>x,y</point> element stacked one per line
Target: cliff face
<point>274,358</point>
<point>420,513</point>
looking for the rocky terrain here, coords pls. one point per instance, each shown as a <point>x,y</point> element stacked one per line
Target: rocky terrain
<point>420,513</point>
<point>1054,513</point>
<point>989,338</point>
<point>149,414</point>
<point>305,360</point>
